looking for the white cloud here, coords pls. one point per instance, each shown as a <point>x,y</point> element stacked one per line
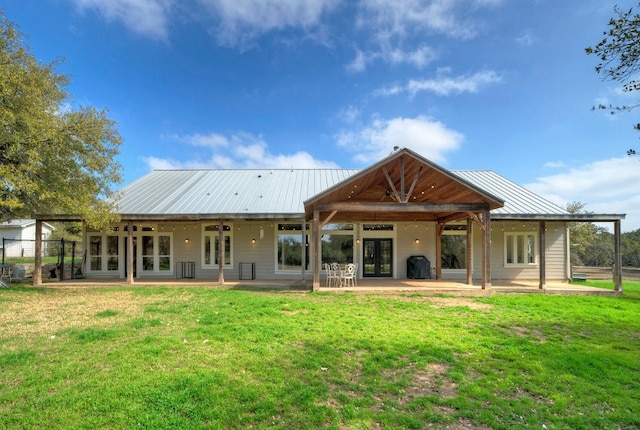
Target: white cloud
<point>350,114</point>
<point>428,137</point>
<point>554,164</point>
<point>241,150</point>
<point>443,85</point>
<point>146,17</point>
<point>392,25</point>
<point>242,21</point>
<point>525,38</point>
<point>391,18</point>
<point>419,57</point>
<point>606,186</point>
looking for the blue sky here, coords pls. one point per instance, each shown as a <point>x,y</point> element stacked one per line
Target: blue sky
<point>502,85</point>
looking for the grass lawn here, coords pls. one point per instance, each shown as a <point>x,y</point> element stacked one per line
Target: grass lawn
<point>168,357</point>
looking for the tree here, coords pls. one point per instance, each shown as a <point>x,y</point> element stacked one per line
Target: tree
<point>581,234</point>
<point>619,53</point>
<point>53,159</point>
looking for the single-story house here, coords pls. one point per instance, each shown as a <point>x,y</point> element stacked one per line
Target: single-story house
<point>285,224</point>
<point>19,236</point>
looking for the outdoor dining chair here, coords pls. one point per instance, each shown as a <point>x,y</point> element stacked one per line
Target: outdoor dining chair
<point>333,274</point>
<point>349,274</point>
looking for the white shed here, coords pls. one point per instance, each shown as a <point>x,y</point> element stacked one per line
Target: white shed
<point>18,237</point>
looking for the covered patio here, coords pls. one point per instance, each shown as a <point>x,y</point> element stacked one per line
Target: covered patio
<point>365,286</point>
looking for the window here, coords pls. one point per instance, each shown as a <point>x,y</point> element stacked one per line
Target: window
<point>156,253</point>
<point>211,250</point>
<point>289,243</point>
<point>519,248</point>
<point>112,253</point>
<point>377,227</point>
<point>147,253</point>
<point>337,243</point>
<point>164,253</point>
<point>95,252</point>
<point>454,247</point>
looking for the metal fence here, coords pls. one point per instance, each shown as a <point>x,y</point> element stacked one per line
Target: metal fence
<point>61,259</point>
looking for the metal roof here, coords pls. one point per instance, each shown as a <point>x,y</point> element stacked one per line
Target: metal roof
<point>517,199</point>
<point>246,193</point>
<point>271,193</point>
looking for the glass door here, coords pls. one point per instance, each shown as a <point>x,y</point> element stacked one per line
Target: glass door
<point>378,257</point>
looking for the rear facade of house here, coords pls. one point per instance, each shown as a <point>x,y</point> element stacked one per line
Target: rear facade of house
<point>285,224</point>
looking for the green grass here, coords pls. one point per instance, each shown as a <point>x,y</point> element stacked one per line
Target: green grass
<point>196,358</point>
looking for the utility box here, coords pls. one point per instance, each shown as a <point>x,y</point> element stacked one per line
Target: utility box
<point>418,267</point>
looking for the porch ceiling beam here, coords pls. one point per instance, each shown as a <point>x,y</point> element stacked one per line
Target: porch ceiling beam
<point>401,207</point>
<point>452,217</point>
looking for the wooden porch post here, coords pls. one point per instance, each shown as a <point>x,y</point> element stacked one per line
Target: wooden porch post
<point>617,261</point>
<point>221,246</point>
<point>37,273</point>
<point>468,251</point>
<point>543,255</point>
<point>486,251</point>
<point>317,260</point>
<point>439,230</point>
<point>304,251</point>
<point>129,262</point>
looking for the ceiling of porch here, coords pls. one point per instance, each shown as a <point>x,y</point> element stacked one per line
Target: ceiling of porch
<point>404,186</point>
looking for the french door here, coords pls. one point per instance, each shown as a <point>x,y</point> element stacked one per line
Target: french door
<point>378,257</point>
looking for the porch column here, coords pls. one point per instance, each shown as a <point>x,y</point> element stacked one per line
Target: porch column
<point>543,255</point>
<point>439,230</point>
<point>221,246</point>
<point>317,260</point>
<point>617,261</point>
<point>129,262</point>
<point>486,251</point>
<point>304,251</point>
<point>468,251</point>
<point>37,273</point>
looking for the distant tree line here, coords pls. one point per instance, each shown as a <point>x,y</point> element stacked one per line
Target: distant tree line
<point>593,245</point>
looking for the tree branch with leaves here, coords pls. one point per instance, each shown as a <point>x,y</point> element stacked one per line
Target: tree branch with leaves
<point>619,54</point>
<point>53,159</point>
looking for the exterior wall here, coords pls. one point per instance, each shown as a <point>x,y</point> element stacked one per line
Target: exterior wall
<point>406,247</point>
<point>256,243</point>
<point>556,252</point>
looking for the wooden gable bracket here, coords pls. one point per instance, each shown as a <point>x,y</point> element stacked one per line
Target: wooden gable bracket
<point>478,219</point>
<point>413,185</point>
<point>401,196</point>
<point>394,191</point>
<point>326,221</point>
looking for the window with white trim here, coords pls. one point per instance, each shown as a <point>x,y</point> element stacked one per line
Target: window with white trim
<point>337,243</point>
<point>453,244</point>
<point>289,243</point>
<point>113,246</point>
<point>95,253</point>
<point>156,252</point>
<point>520,248</point>
<point>210,247</point>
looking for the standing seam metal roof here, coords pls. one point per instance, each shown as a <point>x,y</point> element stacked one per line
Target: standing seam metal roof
<point>256,192</point>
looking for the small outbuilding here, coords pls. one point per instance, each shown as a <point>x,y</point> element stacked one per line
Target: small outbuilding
<point>19,237</point>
